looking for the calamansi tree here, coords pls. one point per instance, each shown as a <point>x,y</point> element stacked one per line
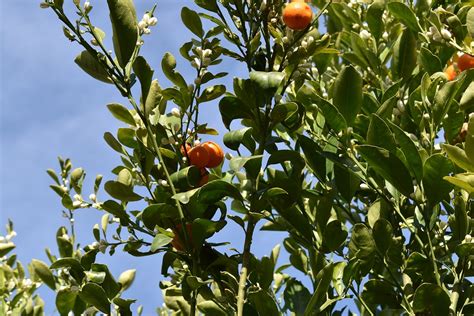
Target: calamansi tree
<point>351,133</point>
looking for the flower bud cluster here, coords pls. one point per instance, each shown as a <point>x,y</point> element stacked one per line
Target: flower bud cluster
<point>146,22</point>
<point>203,58</point>
<point>439,35</point>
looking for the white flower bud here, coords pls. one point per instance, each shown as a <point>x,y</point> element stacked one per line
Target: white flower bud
<point>87,6</point>
<point>365,35</point>
<point>142,25</point>
<point>153,21</point>
<point>146,31</point>
<point>445,34</point>
<point>92,197</point>
<point>385,36</point>
<point>77,197</point>
<point>146,18</point>
<point>197,142</point>
<point>76,203</point>
<point>163,182</point>
<point>304,44</point>
<point>175,112</point>
<point>44,5</point>
<point>401,106</point>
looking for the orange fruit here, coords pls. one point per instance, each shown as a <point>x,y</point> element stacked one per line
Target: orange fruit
<point>178,239</point>
<point>297,15</point>
<point>216,155</point>
<point>465,61</point>
<point>185,149</point>
<point>204,177</point>
<point>450,72</point>
<point>198,156</point>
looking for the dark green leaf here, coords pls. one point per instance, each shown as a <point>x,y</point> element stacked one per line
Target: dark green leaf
<point>402,12</point>
<point>125,29</point>
<point>121,191</point>
<point>42,270</point>
<point>434,169</point>
<point>348,93</point>
<point>121,113</point>
<point>192,21</point>
<point>431,298</point>
<point>92,67</point>
<point>389,166</point>
<point>94,295</point>
<point>382,233</point>
<point>65,301</point>
<point>405,54</point>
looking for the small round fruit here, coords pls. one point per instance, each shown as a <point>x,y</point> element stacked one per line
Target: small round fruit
<point>178,239</point>
<point>216,155</point>
<point>297,15</point>
<point>465,61</point>
<point>198,156</point>
<point>450,72</point>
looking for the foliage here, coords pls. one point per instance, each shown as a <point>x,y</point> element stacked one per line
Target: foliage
<point>338,137</point>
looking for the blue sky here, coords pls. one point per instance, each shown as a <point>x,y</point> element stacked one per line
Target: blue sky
<point>49,107</point>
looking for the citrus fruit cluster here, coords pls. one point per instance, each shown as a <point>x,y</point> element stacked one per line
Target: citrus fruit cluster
<point>464,62</point>
<point>205,155</point>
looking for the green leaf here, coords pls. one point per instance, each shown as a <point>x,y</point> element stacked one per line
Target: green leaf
<point>121,191</point>
<point>314,160</point>
<point>65,301</point>
<point>296,296</point>
<point>232,108</point>
<point>42,270</point>
<point>234,139</point>
<point>389,166</point>
<point>74,266</point>
<point>212,93</point>
<point>382,233</point>
<point>319,297</point>
<point>431,298</point>
<point>145,74</point>
<point>347,182</point>
<point>5,248</point>
<point>469,142</point>
<point>186,178</point>
<point>470,21</point>
<point>334,235</point>
<point>467,99</point>
<point>462,180</point>
<point>192,21</point>
<point>374,18</point>
<point>403,13</point>
<point>405,54</point>
<point>465,249</point>
<point>154,214</point>
<point>160,240</point>
<point>121,113</point>
<point>267,80</point>
<point>92,67</point>
<point>362,246</point>
<point>380,292</point>
<point>434,169</point>
<point>210,5</point>
<point>112,142</point>
<point>458,156</point>
<point>380,135</point>
<point>429,61</point>
<point>409,150</point>
<point>125,29</point>
<point>263,303</point>
<point>110,286</point>
<point>168,64</point>
<point>348,93</point>
<point>94,295</point>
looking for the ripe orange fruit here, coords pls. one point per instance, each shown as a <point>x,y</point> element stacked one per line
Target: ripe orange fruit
<point>204,177</point>
<point>178,239</point>
<point>465,61</point>
<point>216,155</point>
<point>450,72</point>
<point>185,149</point>
<point>198,156</point>
<point>297,15</point>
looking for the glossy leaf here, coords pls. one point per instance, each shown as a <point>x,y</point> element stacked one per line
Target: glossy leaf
<point>92,67</point>
<point>431,298</point>
<point>348,93</point>
<point>94,295</point>
<point>434,169</point>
